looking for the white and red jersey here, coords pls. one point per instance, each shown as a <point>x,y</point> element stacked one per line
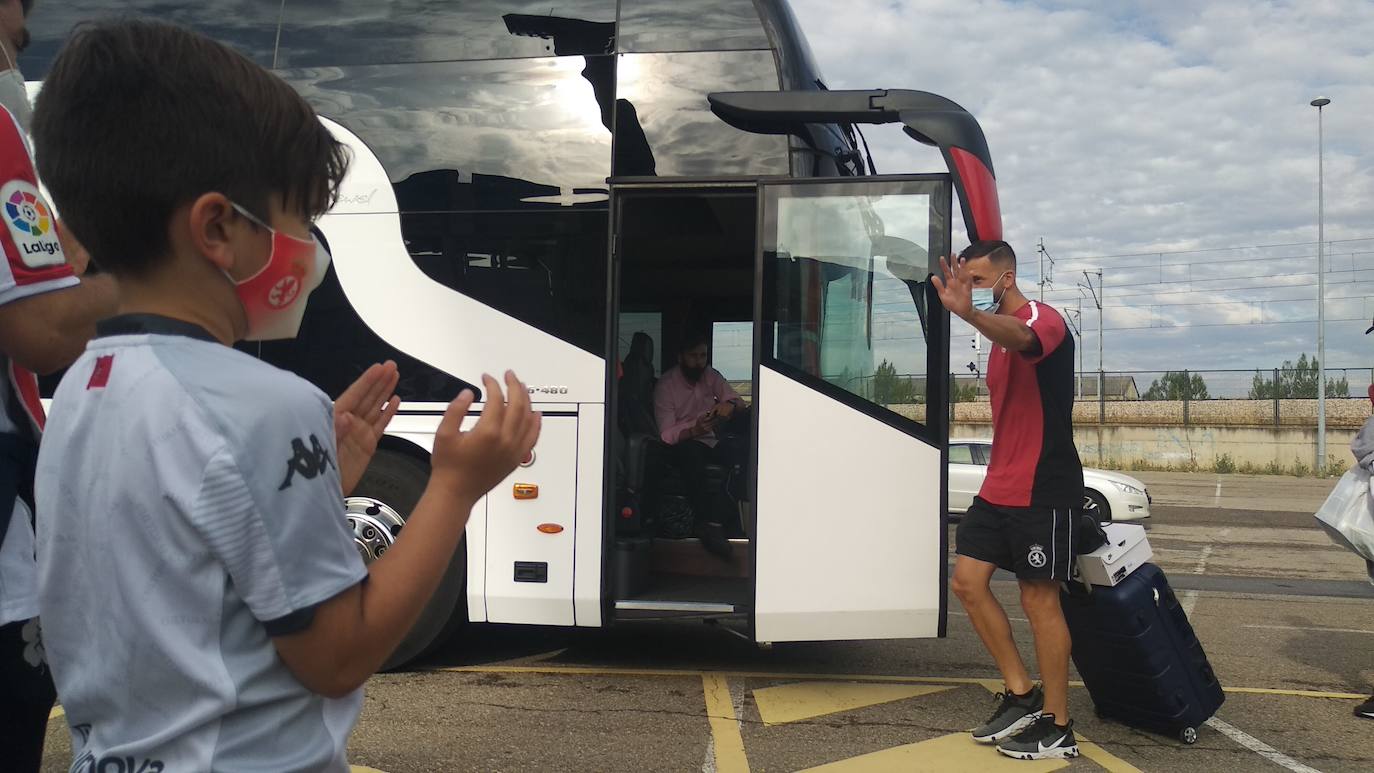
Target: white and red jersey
<point>34,263</point>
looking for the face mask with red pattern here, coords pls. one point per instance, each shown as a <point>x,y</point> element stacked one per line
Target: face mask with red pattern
<point>274,298</point>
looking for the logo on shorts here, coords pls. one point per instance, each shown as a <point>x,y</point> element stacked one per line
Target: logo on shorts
<point>1036,557</point>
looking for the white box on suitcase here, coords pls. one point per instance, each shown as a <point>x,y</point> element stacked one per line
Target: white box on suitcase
<point>1125,551</point>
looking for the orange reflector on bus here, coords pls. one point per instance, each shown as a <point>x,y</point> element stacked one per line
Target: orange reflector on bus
<point>526,491</point>
<point>550,528</point>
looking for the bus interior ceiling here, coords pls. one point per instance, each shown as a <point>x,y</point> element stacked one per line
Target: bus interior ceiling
<point>687,258</point>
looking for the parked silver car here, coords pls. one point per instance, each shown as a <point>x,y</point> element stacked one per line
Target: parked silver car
<point>1117,497</point>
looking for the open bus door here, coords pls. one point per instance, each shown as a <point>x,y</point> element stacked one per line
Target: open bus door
<point>851,410</point>
<point>850,487</point>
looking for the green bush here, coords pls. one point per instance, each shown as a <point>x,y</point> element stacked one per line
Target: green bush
<point>1225,464</point>
<point>1335,466</point>
<point>1301,469</point>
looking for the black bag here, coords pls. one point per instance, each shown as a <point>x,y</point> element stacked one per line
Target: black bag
<point>1091,535</point>
<point>1138,655</point>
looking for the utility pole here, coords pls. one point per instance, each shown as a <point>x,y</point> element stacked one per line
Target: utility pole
<point>1045,255</point>
<point>1099,296</point>
<point>1319,103</point>
<point>1075,318</point>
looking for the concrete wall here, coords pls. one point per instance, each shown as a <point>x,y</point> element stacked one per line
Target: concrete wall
<point>1182,447</point>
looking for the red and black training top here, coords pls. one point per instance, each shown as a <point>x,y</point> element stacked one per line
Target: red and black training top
<point>1034,461</point>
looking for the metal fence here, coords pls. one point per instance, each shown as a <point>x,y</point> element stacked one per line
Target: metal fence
<point>1284,396</point>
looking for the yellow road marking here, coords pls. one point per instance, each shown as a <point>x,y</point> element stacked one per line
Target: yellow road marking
<point>57,711</point>
<point>1345,696</point>
<point>362,769</point>
<point>725,732</point>
<point>955,753</point>
<point>1109,761</point>
<point>991,684</point>
<point>807,700</point>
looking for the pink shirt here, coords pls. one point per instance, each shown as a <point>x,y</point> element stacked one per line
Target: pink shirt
<point>678,403</point>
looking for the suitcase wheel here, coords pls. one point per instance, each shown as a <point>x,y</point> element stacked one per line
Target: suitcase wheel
<point>1188,735</point>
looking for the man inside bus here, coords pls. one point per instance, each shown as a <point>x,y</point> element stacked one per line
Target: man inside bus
<point>693,403</point>
<point>1023,518</point>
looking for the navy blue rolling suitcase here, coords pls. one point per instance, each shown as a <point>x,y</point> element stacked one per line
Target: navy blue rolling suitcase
<point>1138,655</point>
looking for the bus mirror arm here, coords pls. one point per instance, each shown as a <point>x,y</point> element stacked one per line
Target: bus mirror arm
<point>927,118</point>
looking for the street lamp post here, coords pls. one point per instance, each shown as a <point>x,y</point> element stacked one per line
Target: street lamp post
<point>1319,103</point>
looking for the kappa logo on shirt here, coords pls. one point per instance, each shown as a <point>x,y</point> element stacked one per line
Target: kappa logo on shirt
<point>309,462</point>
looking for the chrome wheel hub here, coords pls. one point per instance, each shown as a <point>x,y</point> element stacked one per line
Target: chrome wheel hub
<point>374,524</point>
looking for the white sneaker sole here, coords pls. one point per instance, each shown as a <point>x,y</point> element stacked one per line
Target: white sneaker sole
<point>1011,730</point>
<point>1066,753</point>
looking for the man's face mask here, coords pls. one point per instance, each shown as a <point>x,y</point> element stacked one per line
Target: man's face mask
<point>14,95</point>
<point>985,298</point>
<point>274,298</point>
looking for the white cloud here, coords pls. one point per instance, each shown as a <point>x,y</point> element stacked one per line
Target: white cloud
<point>1152,127</point>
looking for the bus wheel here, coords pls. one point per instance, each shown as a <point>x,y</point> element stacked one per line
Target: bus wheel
<point>377,511</point>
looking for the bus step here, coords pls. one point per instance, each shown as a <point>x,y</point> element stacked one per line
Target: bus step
<point>688,607</point>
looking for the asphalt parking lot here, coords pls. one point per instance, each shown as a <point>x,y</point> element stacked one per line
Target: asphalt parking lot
<point>1287,619</point>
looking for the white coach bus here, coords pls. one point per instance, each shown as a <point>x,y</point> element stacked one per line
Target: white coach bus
<point>535,185</point>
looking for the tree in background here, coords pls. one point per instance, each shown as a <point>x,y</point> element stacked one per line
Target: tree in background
<point>1296,380</point>
<point>1177,385</point>
<point>890,388</point>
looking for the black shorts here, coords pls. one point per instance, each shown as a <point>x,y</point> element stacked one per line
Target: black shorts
<point>1036,543</point>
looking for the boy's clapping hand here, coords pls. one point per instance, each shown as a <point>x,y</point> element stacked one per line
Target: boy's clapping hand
<point>361,415</point>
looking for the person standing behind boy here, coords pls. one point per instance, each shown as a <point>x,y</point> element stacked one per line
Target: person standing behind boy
<point>48,309</point>
<point>204,604</point>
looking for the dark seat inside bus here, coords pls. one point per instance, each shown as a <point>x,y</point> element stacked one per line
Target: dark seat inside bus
<point>650,478</point>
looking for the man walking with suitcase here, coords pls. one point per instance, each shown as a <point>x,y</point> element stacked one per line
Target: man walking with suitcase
<point>1023,518</point>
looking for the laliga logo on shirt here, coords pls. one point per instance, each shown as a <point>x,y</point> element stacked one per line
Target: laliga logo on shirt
<point>31,225</point>
<point>28,213</point>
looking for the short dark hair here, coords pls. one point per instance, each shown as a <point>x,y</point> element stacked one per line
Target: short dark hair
<point>692,339</point>
<point>995,250</point>
<point>137,118</point>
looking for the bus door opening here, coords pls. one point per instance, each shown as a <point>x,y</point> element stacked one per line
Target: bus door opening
<point>686,279</point>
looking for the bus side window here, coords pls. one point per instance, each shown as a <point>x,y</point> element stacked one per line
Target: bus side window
<point>248,26</point>
<point>319,33</point>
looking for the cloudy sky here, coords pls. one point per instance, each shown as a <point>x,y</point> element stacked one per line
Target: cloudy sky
<point>1169,144</point>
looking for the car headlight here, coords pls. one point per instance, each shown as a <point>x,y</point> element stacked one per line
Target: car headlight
<point>1127,488</point>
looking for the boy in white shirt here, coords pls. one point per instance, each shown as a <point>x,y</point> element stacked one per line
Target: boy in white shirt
<point>203,603</point>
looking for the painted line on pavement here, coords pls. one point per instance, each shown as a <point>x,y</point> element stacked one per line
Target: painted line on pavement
<point>725,726</point>
<point>1109,761</point>
<point>895,679</point>
<point>1309,628</point>
<point>1259,747</point>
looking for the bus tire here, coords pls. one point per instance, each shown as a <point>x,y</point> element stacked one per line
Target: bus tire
<point>397,481</point>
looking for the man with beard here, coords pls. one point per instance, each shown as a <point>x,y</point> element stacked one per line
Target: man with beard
<point>692,402</point>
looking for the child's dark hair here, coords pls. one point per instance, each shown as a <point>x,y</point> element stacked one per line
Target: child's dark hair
<point>137,118</point>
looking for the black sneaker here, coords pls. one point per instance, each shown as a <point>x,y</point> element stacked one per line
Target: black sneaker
<point>1012,715</point>
<point>1366,710</point>
<point>1043,740</point>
